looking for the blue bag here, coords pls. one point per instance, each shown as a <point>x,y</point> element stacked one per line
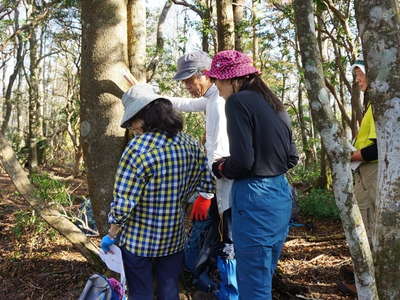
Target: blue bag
<point>228,287</point>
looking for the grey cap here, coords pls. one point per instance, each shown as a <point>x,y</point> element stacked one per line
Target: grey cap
<point>191,63</point>
<point>135,99</point>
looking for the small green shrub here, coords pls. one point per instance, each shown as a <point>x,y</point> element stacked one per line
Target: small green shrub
<point>318,203</point>
<point>28,221</point>
<point>51,190</point>
<point>306,175</point>
<point>194,125</point>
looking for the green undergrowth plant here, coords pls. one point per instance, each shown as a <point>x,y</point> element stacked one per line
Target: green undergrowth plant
<point>306,175</point>
<point>51,190</point>
<point>27,221</point>
<point>318,203</point>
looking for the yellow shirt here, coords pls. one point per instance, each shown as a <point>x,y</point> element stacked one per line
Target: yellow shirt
<point>367,130</point>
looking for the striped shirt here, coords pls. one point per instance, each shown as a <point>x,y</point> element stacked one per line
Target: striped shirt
<point>155,176</point>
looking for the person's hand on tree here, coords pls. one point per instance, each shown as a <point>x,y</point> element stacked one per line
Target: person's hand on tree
<point>200,208</point>
<point>356,156</point>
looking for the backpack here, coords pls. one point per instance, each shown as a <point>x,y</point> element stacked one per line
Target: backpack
<point>99,287</point>
<point>213,272</point>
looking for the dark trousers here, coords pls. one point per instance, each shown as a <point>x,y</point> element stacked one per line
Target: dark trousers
<point>139,275</point>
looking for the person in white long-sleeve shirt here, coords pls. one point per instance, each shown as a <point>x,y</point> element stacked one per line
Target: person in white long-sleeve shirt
<point>190,71</point>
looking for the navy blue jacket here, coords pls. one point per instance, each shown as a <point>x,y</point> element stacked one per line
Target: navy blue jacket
<point>260,139</point>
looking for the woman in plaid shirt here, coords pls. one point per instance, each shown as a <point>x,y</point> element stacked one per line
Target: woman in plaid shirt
<point>159,170</point>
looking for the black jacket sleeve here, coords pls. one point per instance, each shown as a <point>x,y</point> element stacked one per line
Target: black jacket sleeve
<point>241,160</point>
<point>370,153</point>
<point>293,156</point>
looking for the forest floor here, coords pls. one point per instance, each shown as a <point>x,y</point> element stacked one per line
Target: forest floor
<point>37,263</point>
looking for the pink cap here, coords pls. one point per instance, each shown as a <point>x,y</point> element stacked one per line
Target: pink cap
<point>230,64</point>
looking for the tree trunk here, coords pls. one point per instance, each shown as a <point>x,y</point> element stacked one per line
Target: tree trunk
<point>206,26</point>
<point>48,213</point>
<point>18,64</point>
<point>161,27</point>
<point>307,148</point>
<point>356,106</point>
<point>303,129</point>
<point>137,38</point>
<point>104,62</point>
<point>323,178</point>
<point>34,101</point>
<point>238,9</point>
<point>77,161</point>
<point>254,23</point>
<point>225,25</point>
<point>337,149</point>
<point>18,105</point>
<point>379,26</point>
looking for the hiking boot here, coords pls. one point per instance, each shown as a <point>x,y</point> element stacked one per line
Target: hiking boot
<point>347,289</point>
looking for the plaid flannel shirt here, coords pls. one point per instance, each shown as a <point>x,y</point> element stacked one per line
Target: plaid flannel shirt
<point>156,174</point>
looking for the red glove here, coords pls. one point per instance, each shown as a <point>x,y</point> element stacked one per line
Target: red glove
<point>200,208</point>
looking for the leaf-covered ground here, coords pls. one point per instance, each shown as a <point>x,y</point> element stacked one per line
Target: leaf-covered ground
<point>37,263</point>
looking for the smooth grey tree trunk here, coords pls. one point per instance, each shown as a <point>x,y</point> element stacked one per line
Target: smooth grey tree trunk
<point>337,149</point>
<point>379,27</point>
<point>104,64</point>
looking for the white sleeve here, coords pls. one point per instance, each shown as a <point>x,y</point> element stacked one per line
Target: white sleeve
<point>217,143</point>
<point>188,104</point>
<point>207,195</point>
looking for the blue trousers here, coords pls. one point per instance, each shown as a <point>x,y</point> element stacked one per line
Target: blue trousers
<point>139,275</point>
<point>261,209</point>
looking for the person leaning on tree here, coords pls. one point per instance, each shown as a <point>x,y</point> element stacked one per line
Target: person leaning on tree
<point>365,175</point>
<point>160,168</point>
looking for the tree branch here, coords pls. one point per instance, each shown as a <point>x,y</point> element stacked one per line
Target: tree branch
<point>340,104</point>
<point>191,6</point>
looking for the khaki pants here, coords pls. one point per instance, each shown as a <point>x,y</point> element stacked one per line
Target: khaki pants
<point>365,183</point>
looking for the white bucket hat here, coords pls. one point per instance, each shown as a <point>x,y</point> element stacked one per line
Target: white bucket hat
<point>135,99</point>
<point>359,63</point>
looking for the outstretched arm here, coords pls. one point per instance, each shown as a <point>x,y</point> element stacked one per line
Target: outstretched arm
<point>188,104</point>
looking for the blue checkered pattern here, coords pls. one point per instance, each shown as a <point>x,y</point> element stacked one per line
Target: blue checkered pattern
<point>155,176</point>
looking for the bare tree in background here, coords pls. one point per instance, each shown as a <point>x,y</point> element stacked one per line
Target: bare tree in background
<point>137,38</point>
<point>225,25</point>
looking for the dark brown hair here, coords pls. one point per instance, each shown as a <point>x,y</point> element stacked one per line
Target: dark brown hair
<point>160,116</point>
<point>255,83</point>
